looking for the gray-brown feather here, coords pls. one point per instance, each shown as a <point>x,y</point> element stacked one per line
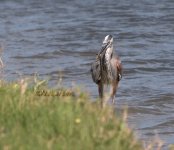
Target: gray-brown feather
<point>95,70</point>
<point>105,72</point>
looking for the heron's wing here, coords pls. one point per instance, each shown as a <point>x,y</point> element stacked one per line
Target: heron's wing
<point>95,71</point>
<point>119,68</point>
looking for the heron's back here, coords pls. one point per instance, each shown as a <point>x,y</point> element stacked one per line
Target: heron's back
<point>104,71</point>
<point>95,70</point>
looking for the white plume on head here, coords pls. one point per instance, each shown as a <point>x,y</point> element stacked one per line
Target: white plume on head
<point>107,39</point>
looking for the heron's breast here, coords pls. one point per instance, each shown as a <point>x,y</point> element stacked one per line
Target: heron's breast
<point>108,55</point>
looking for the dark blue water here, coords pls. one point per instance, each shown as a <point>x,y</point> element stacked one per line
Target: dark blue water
<point>58,38</point>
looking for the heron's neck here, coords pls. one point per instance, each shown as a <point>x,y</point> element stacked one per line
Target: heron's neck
<point>109,53</point>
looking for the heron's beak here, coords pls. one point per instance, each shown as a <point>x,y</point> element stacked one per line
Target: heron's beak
<point>103,49</point>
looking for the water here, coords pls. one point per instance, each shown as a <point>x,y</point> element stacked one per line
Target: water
<point>57,37</point>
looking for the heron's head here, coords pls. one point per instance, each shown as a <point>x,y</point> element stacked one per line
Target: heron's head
<point>107,42</point>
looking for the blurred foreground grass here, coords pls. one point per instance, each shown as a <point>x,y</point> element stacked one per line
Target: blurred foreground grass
<point>29,121</point>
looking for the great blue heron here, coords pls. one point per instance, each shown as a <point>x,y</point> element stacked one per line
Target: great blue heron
<point>107,69</point>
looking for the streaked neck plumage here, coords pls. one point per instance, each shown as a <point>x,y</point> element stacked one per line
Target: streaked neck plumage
<point>108,57</point>
<point>109,53</point>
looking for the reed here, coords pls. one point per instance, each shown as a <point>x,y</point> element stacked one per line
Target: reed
<point>32,121</point>
<point>33,116</point>
<point>1,62</point>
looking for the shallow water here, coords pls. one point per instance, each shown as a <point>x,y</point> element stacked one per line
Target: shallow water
<point>54,38</point>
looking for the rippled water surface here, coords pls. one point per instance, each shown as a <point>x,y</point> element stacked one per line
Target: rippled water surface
<point>49,37</point>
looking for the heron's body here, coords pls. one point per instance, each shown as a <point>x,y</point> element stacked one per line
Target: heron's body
<point>107,69</point>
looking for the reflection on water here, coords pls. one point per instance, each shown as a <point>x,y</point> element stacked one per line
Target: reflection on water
<point>52,36</point>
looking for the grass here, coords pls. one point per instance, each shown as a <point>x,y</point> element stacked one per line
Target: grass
<point>29,121</point>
